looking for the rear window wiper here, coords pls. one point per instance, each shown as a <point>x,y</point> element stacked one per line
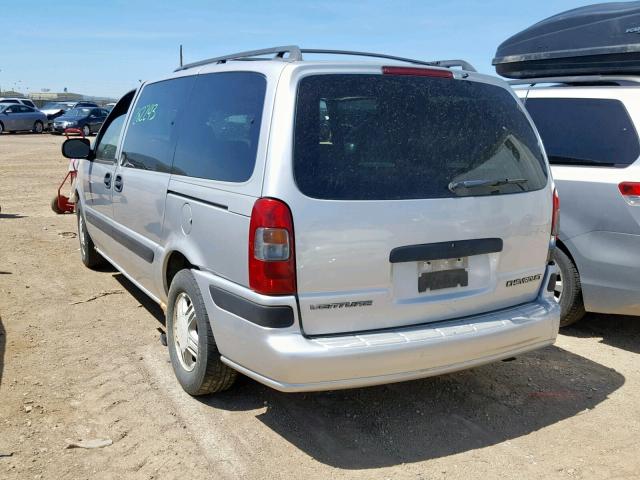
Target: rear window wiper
<point>453,186</point>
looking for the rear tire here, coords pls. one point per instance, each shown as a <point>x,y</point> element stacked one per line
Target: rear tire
<point>38,127</point>
<point>90,257</point>
<point>568,290</point>
<point>192,348</point>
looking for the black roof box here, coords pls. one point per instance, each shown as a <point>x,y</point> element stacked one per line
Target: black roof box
<point>597,39</point>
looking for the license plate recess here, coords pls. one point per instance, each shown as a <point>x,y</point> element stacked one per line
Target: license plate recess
<point>445,273</point>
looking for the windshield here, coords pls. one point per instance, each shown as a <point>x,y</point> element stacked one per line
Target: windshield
<point>380,137</point>
<point>78,112</point>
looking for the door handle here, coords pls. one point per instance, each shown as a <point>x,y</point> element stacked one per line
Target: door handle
<point>107,180</point>
<point>117,185</point>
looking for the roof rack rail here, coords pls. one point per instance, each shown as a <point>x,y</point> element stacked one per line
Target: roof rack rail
<point>438,63</point>
<point>620,80</point>
<point>455,63</point>
<point>294,53</point>
<point>292,50</point>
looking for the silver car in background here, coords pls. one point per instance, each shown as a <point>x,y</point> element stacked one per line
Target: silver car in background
<point>15,117</point>
<point>23,101</point>
<point>589,126</point>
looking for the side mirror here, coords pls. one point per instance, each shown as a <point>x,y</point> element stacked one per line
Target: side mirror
<point>76,148</point>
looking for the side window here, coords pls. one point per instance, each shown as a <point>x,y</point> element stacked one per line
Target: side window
<point>29,103</point>
<point>11,109</point>
<point>151,134</point>
<point>106,149</point>
<point>585,131</point>
<point>218,139</point>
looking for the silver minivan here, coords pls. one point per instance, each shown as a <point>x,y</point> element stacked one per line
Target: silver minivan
<point>319,225</point>
<point>590,126</point>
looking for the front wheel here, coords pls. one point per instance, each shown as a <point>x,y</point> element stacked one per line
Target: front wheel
<point>86,131</point>
<point>90,257</point>
<point>568,290</point>
<point>193,351</point>
<point>38,127</point>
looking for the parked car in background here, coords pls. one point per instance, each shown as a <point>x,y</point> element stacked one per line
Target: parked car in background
<point>15,117</point>
<point>22,101</point>
<point>422,204</point>
<point>55,109</point>
<point>89,120</point>
<point>589,126</point>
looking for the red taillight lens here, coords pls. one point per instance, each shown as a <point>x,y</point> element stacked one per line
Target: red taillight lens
<point>418,72</point>
<point>630,188</point>
<point>555,218</point>
<point>631,192</point>
<point>272,266</point>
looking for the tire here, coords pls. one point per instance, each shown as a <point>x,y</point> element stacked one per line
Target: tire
<point>568,290</point>
<point>86,131</point>
<point>38,127</point>
<point>188,324</point>
<point>1,127</point>
<point>88,254</point>
<point>54,205</point>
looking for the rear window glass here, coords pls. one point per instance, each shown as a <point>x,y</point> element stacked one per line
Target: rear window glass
<point>585,131</point>
<point>375,137</point>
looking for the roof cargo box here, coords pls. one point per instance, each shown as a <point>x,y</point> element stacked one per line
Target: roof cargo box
<point>597,39</point>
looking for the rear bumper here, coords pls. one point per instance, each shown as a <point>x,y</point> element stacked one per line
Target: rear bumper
<point>286,360</point>
<point>609,266</point>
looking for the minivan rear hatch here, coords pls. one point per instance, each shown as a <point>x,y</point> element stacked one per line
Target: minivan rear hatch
<point>422,199</point>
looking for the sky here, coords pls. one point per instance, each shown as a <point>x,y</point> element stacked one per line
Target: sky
<point>106,48</point>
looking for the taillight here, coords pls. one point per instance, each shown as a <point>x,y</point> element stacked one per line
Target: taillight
<point>418,72</point>
<point>631,192</point>
<point>555,218</point>
<point>272,266</point>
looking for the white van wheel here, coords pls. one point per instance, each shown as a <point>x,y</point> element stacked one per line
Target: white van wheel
<point>568,291</point>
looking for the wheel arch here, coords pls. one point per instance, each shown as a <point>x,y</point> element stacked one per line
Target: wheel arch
<point>174,261</point>
<point>565,249</point>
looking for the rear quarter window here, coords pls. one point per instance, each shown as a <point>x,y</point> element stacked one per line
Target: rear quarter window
<point>585,131</point>
<point>379,137</point>
<point>219,132</point>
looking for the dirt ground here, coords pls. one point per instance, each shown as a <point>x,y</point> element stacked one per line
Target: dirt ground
<point>80,359</point>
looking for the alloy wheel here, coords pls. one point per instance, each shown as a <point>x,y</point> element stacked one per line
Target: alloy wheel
<point>557,291</point>
<point>185,331</point>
